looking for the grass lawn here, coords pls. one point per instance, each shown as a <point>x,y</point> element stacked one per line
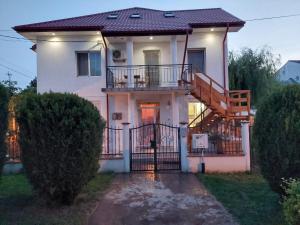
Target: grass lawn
<point>247,197</point>
<point>19,205</point>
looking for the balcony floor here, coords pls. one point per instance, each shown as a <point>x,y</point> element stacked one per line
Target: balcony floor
<point>148,89</point>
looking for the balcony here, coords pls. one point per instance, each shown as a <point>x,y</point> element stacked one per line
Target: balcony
<point>147,77</point>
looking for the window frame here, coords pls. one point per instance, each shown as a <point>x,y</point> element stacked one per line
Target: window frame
<point>89,64</point>
<point>198,49</point>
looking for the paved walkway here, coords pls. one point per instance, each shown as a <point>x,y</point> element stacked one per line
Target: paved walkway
<point>159,199</point>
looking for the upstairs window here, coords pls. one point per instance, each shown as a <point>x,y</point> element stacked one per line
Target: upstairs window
<point>89,63</point>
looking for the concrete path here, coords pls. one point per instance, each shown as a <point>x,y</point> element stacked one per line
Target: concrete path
<point>159,199</point>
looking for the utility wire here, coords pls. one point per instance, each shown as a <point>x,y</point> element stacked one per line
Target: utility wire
<point>273,17</point>
<point>15,65</point>
<point>28,39</point>
<point>16,71</point>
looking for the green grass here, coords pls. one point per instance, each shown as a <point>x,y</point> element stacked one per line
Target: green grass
<point>247,197</point>
<point>20,206</point>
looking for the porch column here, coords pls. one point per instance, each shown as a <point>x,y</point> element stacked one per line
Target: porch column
<point>183,145</point>
<point>131,109</point>
<point>173,48</point>
<point>126,151</point>
<point>175,109</point>
<point>129,51</point>
<point>246,143</point>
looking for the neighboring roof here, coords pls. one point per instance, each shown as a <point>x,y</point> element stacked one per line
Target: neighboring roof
<point>294,61</point>
<point>151,22</point>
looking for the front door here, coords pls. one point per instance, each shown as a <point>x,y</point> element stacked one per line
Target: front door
<point>149,112</point>
<point>152,67</point>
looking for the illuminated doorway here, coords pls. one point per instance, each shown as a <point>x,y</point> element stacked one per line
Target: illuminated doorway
<point>149,113</point>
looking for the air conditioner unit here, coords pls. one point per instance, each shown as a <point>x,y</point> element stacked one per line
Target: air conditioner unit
<point>118,56</point>
<point>199,141</point>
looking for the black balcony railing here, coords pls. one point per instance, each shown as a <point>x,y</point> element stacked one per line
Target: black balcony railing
<point>147,76</point>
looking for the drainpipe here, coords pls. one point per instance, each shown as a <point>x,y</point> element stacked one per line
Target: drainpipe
<point>184,53</point>
<point>107,100</point>
<point>224,58</point>
<point>106,64</point>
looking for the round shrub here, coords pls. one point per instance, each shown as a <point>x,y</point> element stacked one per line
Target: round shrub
<point>277,136</point>
<point>3,124</point>
<point>291,203</point>
<point>60,139</point>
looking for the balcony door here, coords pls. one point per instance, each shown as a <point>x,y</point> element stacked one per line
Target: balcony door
<point>152,68</point>
<point>196,57</point>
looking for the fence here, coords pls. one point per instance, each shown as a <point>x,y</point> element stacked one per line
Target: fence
<point>224,138</point>
<point>13,148</point>
<point>112,143</point>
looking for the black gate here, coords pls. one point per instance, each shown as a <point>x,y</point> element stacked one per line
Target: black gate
<point>155,147</point>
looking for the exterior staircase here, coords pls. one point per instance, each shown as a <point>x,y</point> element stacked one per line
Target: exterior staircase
<point>224,109</point>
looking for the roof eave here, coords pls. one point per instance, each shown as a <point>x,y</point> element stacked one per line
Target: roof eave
<point>146,33</point>
<point>207,25</point>
<point>53,29</point>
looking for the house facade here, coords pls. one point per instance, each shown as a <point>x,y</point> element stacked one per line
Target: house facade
<point>290,72</point>
<point>149,71</point>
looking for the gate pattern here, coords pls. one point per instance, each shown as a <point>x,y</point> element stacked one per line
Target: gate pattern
<point>155,147</point>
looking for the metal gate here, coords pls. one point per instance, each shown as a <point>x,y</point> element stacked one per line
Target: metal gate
<point>155,147</point>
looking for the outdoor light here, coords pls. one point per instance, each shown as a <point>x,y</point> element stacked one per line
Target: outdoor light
<point>212,29</point>
<point>151,38</point>
<point>53,34</point>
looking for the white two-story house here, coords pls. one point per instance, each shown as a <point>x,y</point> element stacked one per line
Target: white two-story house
<point>144,66</point>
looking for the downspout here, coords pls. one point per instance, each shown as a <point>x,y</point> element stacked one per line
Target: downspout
<point>106,64</point>
<point>184,53</point>
<point>107,100</point>
<point>224,58</point>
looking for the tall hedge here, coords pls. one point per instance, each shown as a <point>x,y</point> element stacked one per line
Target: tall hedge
<point>277,135</point>
<point>3,123</point>
<point>60,139</point>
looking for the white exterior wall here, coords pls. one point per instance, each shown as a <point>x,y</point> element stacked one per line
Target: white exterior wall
<point>119,103</point>
<point>57,70</point>
<point>215,164</point>
<point>57,67</point>
<point>212,42</point>
<point>290,70</point>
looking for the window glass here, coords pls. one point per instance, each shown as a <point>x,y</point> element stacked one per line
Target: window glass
<point>197,59</point>
<point>82,64</point>
<point>95,63</point>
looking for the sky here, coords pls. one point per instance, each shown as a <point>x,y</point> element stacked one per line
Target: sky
<point>282,35</point>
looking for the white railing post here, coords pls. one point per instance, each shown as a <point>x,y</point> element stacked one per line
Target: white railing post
<point>173,48</point>
<point>126,151</point>
<point>129,50</point>
<point>246,143</point>
<point>183,143</point>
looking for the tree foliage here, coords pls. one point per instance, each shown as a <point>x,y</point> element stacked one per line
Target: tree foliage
<point>3,123</point>
<point>276,135</point>
<point>31,87</point>
<point>291,204</point>
<point>61,140</point>
<point>253,70</point>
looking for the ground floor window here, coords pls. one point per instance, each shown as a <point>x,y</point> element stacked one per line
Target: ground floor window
<point>194,109</point>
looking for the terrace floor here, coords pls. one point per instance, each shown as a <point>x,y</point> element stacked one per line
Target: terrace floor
<point>159,198</point>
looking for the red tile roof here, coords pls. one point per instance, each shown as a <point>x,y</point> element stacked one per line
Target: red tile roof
<point>151,22</point>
